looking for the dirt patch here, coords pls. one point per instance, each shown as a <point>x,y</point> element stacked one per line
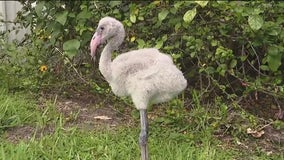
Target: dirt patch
<point>250,145</point>
<point>266,136</point>
<point>90,116</point>
<point>92,111</point>
<point>20,133</point>
<point>83,110</point>
<point>264,106</point>
<point>25,133</point>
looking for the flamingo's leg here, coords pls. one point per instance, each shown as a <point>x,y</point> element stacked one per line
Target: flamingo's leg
<point>143,137</point>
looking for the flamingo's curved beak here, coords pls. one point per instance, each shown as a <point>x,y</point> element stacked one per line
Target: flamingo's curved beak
<point>95,42</point>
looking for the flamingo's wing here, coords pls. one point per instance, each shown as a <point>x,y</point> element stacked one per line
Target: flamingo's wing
<point>139,64</point>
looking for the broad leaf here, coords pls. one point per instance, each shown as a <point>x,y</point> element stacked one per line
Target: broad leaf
<point>141,43</point>
<point>62,17</point>
<point>159,44</point>
<point>177,4</point>
<point>114,3</point>
<point>210,70</point>
<point>255,22</point>
<point>243,58</point>
<point>39,8</point>
<point>163,14</point>
<point>177,26</point>
<point>264,67</point>
<point>201,3</point>
<point>70,53</point>
<point>274,58</point>
<point>189,15</point>
<point>71,46</point>
<point>132,18</point>
<point>85,14</point>
<point>233,63</point>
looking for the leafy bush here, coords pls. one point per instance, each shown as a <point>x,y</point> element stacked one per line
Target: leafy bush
<point>20,66</point>
<point>233,48</point>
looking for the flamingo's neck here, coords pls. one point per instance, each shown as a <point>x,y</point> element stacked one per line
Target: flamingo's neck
<point>105,62</point>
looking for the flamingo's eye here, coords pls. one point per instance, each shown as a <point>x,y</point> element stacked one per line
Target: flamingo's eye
<point>102,28</point>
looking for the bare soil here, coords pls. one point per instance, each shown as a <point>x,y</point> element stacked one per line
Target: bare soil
<point>83,110</point>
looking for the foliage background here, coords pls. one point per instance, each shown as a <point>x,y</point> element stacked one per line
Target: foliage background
<point>230,49</point>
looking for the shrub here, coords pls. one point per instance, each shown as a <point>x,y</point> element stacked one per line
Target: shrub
<point>233,48</point>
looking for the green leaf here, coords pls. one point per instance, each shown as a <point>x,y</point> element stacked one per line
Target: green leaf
<point>178,4</point>
<point>141,18</point>
<point>221,69</point>
<point>243,58</point>
<point>192,54</point>
<point>273,63</point>
<point>201,3</point>
<point>70,53</point>
<point>274,58</point>
<point>274,31</point>
<point>233,63</point>
<point>177,26</point>
<point>264,67</point>
<point>274,51</point>
<point>210,70</point>
<point>214,43</point>
<point>141,43</point>
<point>71,47</point>
<point>114,3</point>
<point>255,22</point>
<point>72,44</point>
<point>39,8</point>
<point>62,17</point>
<point>132,18</point>
<point>189,15</point>
<point>163,14</point>
<point>159,44</point>
<point>72,15</point>
<point>173,10</point>
<point>85,14</point>
<point>165,37</point>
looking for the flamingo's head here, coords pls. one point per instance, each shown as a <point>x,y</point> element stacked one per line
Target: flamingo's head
<point>109,30</point>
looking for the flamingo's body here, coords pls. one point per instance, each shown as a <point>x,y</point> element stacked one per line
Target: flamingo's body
<point>143,72</point>
<point>147,75</point>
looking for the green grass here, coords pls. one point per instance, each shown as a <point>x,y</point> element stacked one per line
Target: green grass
<point>166,142</point>
<point>16,110</point>
<point>122,144</point>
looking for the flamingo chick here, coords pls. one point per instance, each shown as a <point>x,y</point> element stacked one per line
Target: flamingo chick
<point>146,75</point>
